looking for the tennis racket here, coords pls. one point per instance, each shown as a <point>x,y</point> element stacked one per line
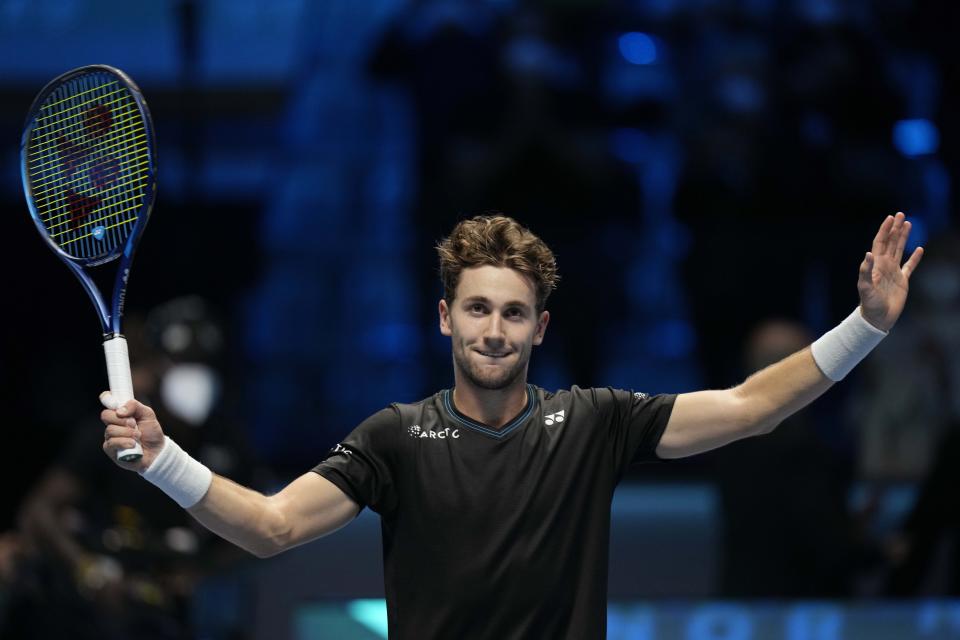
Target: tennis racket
<point>87,164</point>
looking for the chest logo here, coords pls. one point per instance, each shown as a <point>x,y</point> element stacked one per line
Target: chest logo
<point>415,431</point>
<point>553,417</point>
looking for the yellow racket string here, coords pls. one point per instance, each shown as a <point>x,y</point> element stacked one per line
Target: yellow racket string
<point>136,177</point>
<point>51,154</point>
<point>55,204</point>
<point>128,125</point>
<point>95,220</point>
<point>78,94</point>
<point>51,132</point>
<point>127,221</point>
<point>130,122</point>
<point>140,142</point>
<point>95,136</point>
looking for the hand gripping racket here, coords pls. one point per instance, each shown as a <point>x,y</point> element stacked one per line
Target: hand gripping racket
<point>86,159</point>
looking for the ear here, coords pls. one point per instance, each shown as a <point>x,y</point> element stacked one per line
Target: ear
<point>444,311</point>
<point>542,322</point>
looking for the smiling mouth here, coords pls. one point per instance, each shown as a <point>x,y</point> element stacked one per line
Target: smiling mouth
<point>491,354</point>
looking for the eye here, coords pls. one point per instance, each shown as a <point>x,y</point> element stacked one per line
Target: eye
<point>514,312</point>
<point>476,307</point>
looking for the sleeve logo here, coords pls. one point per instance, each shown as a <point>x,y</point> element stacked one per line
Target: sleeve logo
<point>554,417</point>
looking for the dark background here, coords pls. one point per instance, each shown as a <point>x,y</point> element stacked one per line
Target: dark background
<point>698,167</point>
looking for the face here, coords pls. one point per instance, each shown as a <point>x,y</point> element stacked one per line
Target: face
<point>493,325</point>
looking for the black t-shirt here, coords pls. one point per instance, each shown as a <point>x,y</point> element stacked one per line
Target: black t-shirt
<point>498,534</point>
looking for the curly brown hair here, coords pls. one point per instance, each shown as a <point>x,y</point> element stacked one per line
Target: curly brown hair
<point>501,242</point>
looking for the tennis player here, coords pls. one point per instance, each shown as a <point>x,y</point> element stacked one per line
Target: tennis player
<point>494,495</point>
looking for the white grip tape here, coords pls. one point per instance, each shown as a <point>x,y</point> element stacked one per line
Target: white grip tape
<point>121,384</point>
<point>178,475</point>
<point>839,350</point>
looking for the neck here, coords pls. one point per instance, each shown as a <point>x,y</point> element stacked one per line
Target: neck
<point>492,407</point>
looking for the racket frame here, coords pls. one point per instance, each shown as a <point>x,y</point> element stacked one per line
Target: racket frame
<point>110,317</point>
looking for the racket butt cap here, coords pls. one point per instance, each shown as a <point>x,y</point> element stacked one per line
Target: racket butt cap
<point>130,455</point>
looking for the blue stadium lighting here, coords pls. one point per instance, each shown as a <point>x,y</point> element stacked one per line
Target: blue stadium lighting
<point>918,233</point>
<point>638,48</point>
<point>916,137</point>
<point>630,145</point>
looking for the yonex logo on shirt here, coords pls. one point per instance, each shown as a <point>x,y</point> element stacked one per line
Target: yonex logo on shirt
<point>342,449</point>
<point>553,417</point>
<point>416,432</point>
<point>640,396</point>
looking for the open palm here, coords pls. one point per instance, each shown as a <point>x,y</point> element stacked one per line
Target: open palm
<point>884,283</point>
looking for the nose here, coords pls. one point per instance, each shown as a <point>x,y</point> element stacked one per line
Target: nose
<point>493,332</point>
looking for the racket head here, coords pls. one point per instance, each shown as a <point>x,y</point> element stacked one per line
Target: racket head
<point>87,164</point>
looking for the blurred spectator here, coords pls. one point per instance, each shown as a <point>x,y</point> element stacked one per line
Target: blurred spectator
<point>110,556</point>
<point>926,552</point>
<point>786,529</point>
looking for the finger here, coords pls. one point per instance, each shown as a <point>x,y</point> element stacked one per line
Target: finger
<point>882,237</point>
<point>866,268</point>
<point>117,431</point>
<point>113,445</point>
<point>895,232</point>
<point>107,400</point>
<point>136,410</point>
<point>902,241</point>
<point>110,417</point>
<point>913,261</point>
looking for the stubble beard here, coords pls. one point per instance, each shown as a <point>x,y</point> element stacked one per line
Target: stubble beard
<point>489,381</point>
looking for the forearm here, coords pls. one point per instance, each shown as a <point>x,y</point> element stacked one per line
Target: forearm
<point>784,388</point>
<point>780,390</point>
<point>307,508</point>
<point>243,516</point>
<point>240,515</point>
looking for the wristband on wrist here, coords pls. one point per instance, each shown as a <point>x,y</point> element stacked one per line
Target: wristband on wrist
<point>839,350</point>
<point>178,475</point>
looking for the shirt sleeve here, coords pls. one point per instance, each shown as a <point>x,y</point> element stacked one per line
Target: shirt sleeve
<point>636,422</point>
<point>362,465</point>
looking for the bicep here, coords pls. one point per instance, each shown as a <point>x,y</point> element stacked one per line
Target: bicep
<point>702,421</point>
<point>312,507</point>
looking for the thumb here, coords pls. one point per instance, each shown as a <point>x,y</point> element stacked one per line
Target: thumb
<point>131,408</point>
<point>108,401</point>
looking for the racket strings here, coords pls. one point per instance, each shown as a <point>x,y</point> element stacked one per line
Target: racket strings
<point>55,205</point>
<point>50,125</point>
<point>88,165</point>
<point>66,147</point>
<point>131,122</point>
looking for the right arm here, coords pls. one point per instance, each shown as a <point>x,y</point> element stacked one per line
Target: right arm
<point>309,507</point>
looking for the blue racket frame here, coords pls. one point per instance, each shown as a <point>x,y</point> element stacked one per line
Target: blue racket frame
<point>110,317</point>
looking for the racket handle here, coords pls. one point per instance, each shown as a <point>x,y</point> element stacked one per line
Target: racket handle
<point>121,384</point>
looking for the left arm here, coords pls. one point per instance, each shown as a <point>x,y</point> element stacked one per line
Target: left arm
<point>705,420</point>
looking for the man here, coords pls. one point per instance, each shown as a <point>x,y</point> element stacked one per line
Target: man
<point>495,495</point>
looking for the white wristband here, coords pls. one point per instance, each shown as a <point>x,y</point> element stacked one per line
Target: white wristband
<point>839,350</point>
<point>178,475</point>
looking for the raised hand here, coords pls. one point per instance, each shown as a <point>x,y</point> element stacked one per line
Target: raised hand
<point>883,282</point>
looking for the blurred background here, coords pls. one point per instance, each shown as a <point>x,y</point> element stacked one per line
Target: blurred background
<point>709,173</point>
